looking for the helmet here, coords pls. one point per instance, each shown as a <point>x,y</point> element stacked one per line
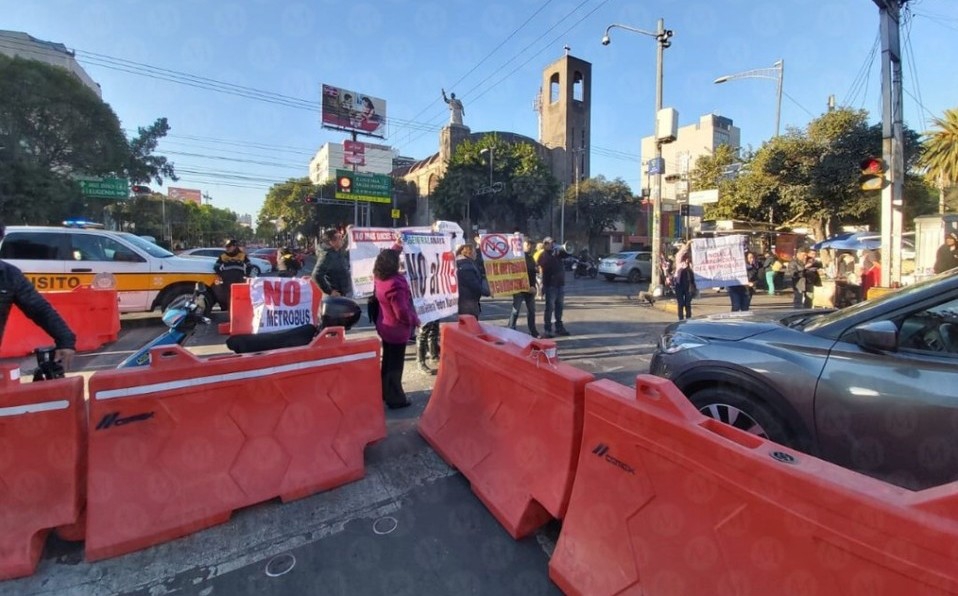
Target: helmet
<point>339,311</point>
<point>230,242</point>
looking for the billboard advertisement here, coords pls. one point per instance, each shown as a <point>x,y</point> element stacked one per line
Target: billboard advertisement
<point>347,110</point>
<point>184,195</point>
<point>354,153</point>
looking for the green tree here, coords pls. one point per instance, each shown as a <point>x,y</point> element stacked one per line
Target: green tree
<point>596,206</point>
<point>940,156</point>
<point>53,128</point>
<point>142,165</point>
<point>527,185</point>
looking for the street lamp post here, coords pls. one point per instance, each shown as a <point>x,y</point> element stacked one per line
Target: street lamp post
<point>662,37</point>
<point>775,73</point>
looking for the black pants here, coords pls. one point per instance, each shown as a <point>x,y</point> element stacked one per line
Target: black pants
<point>530,301</point>
<point>683,301</point>
<point>394,360</point>
<point>428,341</point>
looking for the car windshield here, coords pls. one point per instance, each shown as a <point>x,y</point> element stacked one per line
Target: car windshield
<point>146,246</point>
<point>838,315</point>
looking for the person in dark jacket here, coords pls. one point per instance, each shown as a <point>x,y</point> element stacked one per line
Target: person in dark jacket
<point>231,267</point>
<point>16,289</point>
<point>947,255</point>
<point>395,323</point>
<point>331,273</point>
<point>470,281</point>
<point>553,284</point>
<point>684,282</point>
<point>529,298</point>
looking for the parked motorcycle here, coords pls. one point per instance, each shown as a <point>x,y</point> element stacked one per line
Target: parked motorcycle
<point>181,316</point>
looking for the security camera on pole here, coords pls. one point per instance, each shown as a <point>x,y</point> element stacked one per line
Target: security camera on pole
<point>666,128</point>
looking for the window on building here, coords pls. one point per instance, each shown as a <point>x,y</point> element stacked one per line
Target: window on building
<point>578,86</point>
<point>554,88</point>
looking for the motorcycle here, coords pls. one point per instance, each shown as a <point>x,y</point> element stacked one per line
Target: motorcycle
<point>585,267</point>
<point>181,316</point>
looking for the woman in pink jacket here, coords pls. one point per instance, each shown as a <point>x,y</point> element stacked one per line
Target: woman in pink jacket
<point>395,323</point>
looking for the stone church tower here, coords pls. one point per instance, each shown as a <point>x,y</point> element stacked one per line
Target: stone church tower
<point>565,117</point>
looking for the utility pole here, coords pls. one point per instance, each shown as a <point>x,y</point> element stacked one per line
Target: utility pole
<point>892,140</point>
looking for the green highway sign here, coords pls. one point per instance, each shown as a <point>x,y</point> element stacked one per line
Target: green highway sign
<point>362,186</point>
<point>105,188</point>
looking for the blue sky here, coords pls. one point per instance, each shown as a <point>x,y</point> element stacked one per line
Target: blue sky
<point>490,53</point>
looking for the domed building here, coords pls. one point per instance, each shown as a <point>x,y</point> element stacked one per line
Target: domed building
<point>564,106</point>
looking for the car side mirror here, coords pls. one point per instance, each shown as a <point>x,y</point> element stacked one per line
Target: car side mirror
<point>878,336</point>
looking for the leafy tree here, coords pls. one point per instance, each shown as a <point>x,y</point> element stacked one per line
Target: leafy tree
<point>53,128</point>
<point>597,204</point>
<point>528,186</point>
<point>940,158</point>
<point>142,166</point>
<point>809,176</point>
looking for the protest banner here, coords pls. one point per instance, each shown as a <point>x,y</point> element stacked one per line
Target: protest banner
<point>719,262</point>
<point>364,247</point>
<point>505,263</point>
<point>280,303</point>
<point>430,266</point>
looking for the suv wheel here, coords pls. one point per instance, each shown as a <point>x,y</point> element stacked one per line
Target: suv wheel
<point>743,412</point>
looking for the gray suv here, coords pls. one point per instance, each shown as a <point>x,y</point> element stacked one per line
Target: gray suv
<point>872,387</point>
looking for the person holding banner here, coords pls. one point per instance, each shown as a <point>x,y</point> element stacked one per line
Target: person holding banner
<point>331,272</point>
<point>528,297</point>
<point>395,323</point>
<point>470,281</point>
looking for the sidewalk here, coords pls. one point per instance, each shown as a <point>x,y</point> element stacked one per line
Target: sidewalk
<point>712,302</point>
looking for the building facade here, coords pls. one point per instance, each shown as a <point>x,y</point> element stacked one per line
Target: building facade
<point>329,158</point>
<point>692,142</point>
<point>22,45</point>
<point>564,105</point>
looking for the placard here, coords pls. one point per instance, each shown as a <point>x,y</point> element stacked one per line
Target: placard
<point>281,303</point>
<point>719,262</point>
<point>505,263</point>
<point>430,266</point>
<point>364,247</point>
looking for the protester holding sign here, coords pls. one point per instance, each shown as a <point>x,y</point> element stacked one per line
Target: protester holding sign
<point>469,280</point>
<point>527,297</point>
<point>395,322</point>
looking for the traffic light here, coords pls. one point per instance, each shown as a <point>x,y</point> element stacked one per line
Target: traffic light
<point>873,174</point>
<point>140,190</point>
<point>344,184</point>
<point>684,209</point>
<point>310,199</point>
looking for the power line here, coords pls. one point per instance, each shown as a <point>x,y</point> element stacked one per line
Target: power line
<point>795,101</point>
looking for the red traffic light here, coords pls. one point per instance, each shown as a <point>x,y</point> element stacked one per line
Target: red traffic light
<point>309,200</point>
<point>140,190</point>
<point>344,184</point>
<point>874,166</point>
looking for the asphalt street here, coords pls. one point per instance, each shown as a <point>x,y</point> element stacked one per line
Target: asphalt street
<point>411,526</point>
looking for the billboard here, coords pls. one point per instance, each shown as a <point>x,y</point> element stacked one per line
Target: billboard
<point>354,153</point>
<point>347,110</point>
<point>360,186</point>
<point>184,195</point>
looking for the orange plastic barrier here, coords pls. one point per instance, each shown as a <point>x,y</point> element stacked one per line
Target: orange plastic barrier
<point>509,418</point>
<point>93,315</point>
<point>176,447</point>
<point>241,309</point>
<point>667,501</point>
<point>40,456</point>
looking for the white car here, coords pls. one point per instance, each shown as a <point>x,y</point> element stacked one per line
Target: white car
<point>257,265</point>
<point>634,266</point>
<point>145,275</point>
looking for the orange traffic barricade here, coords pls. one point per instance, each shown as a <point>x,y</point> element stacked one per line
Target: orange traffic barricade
<point>241,307</point>
<point>177,446</point>
<point>667,501</point>
<point>509,419</point>
<point>41,427</point>
<point>92,314</point>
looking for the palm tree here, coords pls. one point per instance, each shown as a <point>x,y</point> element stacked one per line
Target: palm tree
<point>940,155</point>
